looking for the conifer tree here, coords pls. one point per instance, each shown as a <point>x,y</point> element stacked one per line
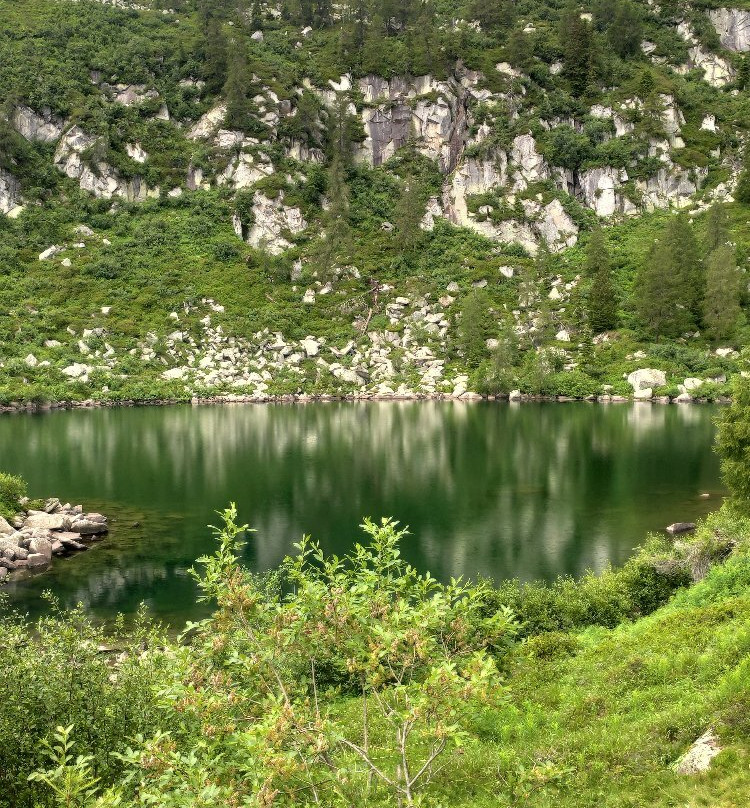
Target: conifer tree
<point>577,46</point>
<point>409,213</point>
<point>717,227</point>
<point>669,287</point>
<point>602,301</point>
<point>214,46</point>
<point>721,305</point>
<point>235,91</point>
<point>472,327</point>
<point>625,32</point>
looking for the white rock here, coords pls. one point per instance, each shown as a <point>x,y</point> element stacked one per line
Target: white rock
<point>272,219</point>
<point>646,378</point>
<point>44,128</point>
<point>50,252</point>
<point>76,370</point>
<point>562,336</point>
<point>310,346</point>
<point>136,152</point>
<point>31,360</point>
<point>698,758</point>
<point>208,123</point>
<point>309,296</point>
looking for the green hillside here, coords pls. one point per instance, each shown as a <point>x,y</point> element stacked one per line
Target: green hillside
<point>417,189</point>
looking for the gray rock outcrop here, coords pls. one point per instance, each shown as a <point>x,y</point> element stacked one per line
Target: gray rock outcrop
<point>272,223</point>
<point>10,192</point>
<point>41,127</point>
<point>733,27</point>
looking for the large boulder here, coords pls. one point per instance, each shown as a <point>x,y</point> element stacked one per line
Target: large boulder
<point>10,192</point>
<point>88,527</point>
<point>44,521</point>
<point>40,546</point>
<point>43,128</point>
<point>698,758</point>
<point>38,560</point>
<point>647,377</point>
<point>5,527</point>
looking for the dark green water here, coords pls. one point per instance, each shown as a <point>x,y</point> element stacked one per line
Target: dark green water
<point>532,490</point>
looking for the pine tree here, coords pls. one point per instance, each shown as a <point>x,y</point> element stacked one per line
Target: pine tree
<point>721,305</point>
<point>472,327</point>
<point>602,301</point>
<point>625,32</point>
<point>669,287</point>
<point>235,91</point>
<point>717,227</point>
<point>733,444</point>
<point>409,213</point>
<point>214,48</point>
<point>577,46</point>
<point>335,243</point>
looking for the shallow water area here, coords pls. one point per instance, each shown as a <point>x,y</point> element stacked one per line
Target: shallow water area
<point>531,490</point>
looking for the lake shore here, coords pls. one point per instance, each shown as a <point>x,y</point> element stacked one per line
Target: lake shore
<point>305,398</point>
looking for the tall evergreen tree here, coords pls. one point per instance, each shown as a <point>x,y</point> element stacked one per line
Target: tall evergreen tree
<point>602,302</point>
<point>625,32</point>
<point>409,213</point>
<point>214,47</point>
<point>721,305</point>
<point>577,46</point>
<point>669,287</point>
<point>472,327</point>
<point>235,90</point>
<point>717,227</point>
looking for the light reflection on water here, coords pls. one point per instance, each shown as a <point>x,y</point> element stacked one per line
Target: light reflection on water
<point>534,490</point>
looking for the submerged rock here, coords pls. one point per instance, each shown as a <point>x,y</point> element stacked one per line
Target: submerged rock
<point>680,527</point>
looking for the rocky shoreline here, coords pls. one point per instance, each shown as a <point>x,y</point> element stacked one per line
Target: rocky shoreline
<point>305,398</point>
<point>35,537</point>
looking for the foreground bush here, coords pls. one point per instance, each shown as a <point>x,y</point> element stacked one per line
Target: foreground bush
<point>61,671</point>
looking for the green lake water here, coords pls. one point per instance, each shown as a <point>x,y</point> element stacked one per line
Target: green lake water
<point>503,490</point>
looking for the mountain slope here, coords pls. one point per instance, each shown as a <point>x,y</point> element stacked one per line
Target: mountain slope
<point>361,175</point>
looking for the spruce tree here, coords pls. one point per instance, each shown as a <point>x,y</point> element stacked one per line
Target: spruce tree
<point>214,48</point>
<point>472,327</point>
<point>717,227</point>
<point>602,301</point>
<point>733,444</point>
<point>721,305</point>
<point>625,32</point>
<point>669,286</point>
<point>235,91</point>
<point>577,46</point>
<point>409,213</point>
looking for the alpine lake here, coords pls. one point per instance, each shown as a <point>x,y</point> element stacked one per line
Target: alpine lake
<point>532,490</point>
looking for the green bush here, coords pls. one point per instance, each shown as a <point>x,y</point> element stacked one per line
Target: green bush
<point>11,490</point>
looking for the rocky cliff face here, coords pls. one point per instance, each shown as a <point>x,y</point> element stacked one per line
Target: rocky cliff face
<point>10,192</point>
<point>453,122</point>
<point>733,27</point>
<point>430,113</point>
<point>74,158</point>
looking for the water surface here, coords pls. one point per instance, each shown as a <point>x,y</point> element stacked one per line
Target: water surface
<point>497,489</point>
